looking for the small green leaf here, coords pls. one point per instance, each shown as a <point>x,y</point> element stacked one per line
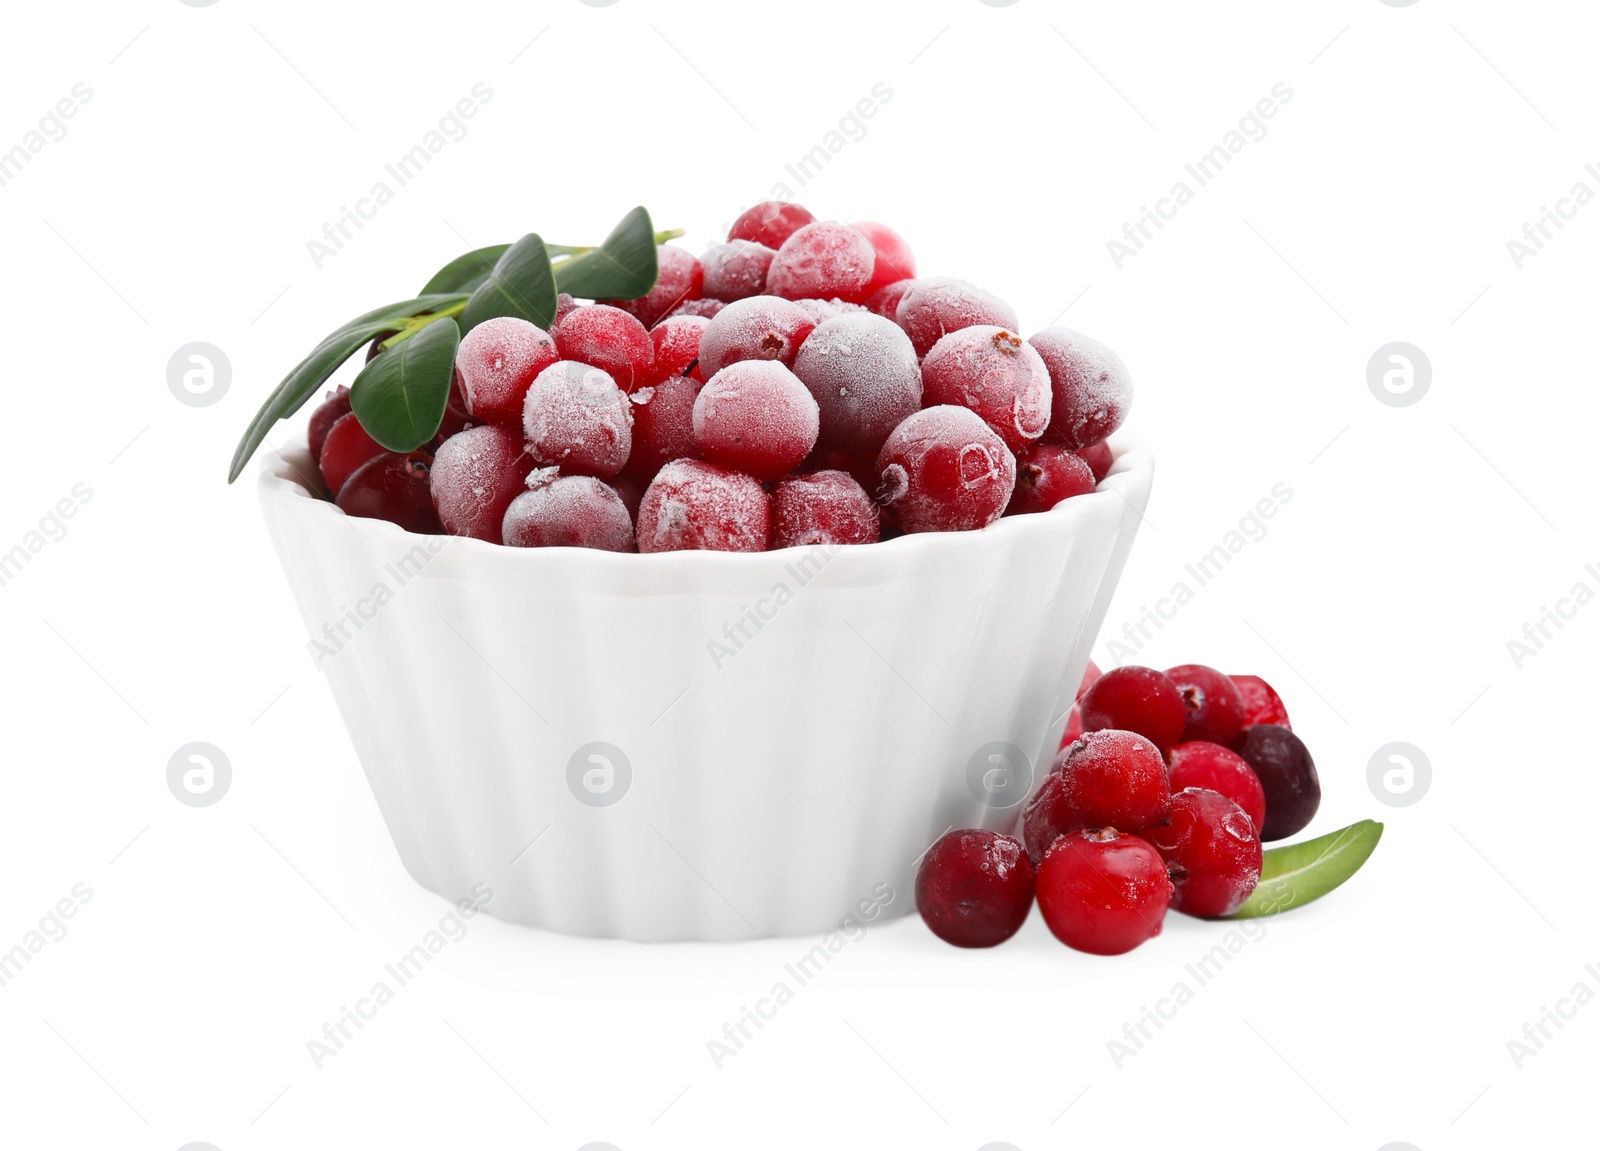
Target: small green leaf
<point>623,267</point>
<point>1297,874</point>
<point>400,396</point>
<point>521,285</point>
<point>465,272</point>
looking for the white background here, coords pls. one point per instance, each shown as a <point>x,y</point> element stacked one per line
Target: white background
<point>1017,142</point>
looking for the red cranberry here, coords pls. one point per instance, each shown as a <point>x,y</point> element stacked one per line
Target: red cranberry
<point>1288,777</point>
<point>1210,765</point>
<point>1099,458</point>
<point>1213,708</point>
<point>392,487</point>
<point>755,417</point>
<point>497,361</point>
<point>679,277</point>
<point>346,447</point>
<point>931,308</point>
<point>760,328</point>
<point>677,347</point>
<point>863,373</point>
<point>565,306</point>
<point>336,404</point>
<point>1091,387</point>
<point>663,426</point>
<point>1109,779</point>
<point>1212,853</point>
<point>885,301</point>
<point>996,374</point>
<point>702,307</point>
<point>1103,892</point>
<point>892,259</point>
<point>736,270</point>
<point>694,505</point>
<point>1137,699</point>
<point>826,507</point>
<point>571,512</point>
<point>608,338</point>
<point>943,470</point>
<point>577,420</point>
<point>822,261</point>
<point>1046,475</point>
<point>476,474</point>
<point>820,310</point>
<point>770,223</point>
<point>1261,703</point>
<point>974,888</point>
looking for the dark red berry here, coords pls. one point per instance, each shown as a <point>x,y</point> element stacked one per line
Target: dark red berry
<point>974,888</point>
<point>345,449</point>
<point>1090,385</point>
<point>863,373</point>
<point>695,505</point>
<point>330,409</point>
<point>826,507</point>
<point>568,511</point>
<point>1137,699</point>
<point>1287,774</point>
<point>1102,891</point>
<point>1211,703</point>
<point>770,223</point>
<point>1099,458</point>
<point>476,474</point>
<point>1212,853</point>
<point>944,470</point>
<point>995,373</point>
<point>1210,765</point>
<point>392,487</point>
<point>663,426</point>
<point>1261,703</point>
<point>1046,475</point>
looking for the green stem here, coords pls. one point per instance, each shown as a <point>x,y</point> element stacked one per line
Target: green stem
<point>415,324</point>
<point>569,250</point>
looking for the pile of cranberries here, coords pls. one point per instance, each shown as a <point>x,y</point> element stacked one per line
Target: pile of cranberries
<point>795,385</point>
<point>1165,786</point>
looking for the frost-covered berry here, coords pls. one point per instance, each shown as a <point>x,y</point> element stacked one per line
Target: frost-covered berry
<point>1091,387</point>
<point>1046,475</point>
<point>392,487</point>
<point>695,505</point>
<point>821,310</point>
<point>701,307</point>
<point>863,373</point>
<point>345,448</point>
<point>997,374</point>
<point>497,361</point>
<point>822,508</point>
<point>760,328</point>
<point>931,308</point>
<point>736,270</point>
<point>609,338</point>
<point>476,474</point>
<point>570,512</point>
<point>679,277</point>
<point>892,258</point>
<point>821,261</point>
<point>663,425</point>
<point>770,223</point>
<point>756,417</point>
<point>944,470</point>
<point>677,347</point>
<point>885,301</point>
<point>578,420</point>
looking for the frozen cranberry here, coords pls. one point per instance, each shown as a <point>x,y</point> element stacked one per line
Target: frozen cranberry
<point>694,505</point>
<point>476,474</point>
<point>392,487</point>
<point>826,507</point>
<point>1261,703</point>
<point>820,310</point>
<point>1090,384</point>
<point>996,374</point>
<point>770,223</point>
<point>1210,765</point>
<point>1137,699</point>
<point>565,306</point>
<point>1214,710</point>
<point>1046,475</point>
<point>1212,853</point>
<point>821,261</point>
<point>885,301</point>
<point>934,307</point>
<point>497,360</point>
<point>736,270</point>
<point>1108,779</point>
<point>679,277</point>
<point>345,448</point>
<point>943,470</point>
<point>703,308</point>
<point>677,347</point>
<point>1103,892</point>
<point>576,419</point>
<point>1098,457</point>
<point>568,512</point>
<point>335,404</point>
<point>606,337</point>
<point>1288,777</point>
<point>863,373</point>
<point>663,426</point>
<point>760,328</point>
<point>631,492</point>
<point>974,888</point>
<point>755,417</point>
<point>892,259</point>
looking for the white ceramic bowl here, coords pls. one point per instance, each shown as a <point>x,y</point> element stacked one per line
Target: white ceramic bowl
<point>699,745</point>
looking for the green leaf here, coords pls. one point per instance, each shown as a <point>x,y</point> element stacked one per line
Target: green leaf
<point>401,395</point>
<point>521,285</point>
<point>623,267</point>
<point>1297,874</point>
<point>313,371</point>
<point>467,271</point>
